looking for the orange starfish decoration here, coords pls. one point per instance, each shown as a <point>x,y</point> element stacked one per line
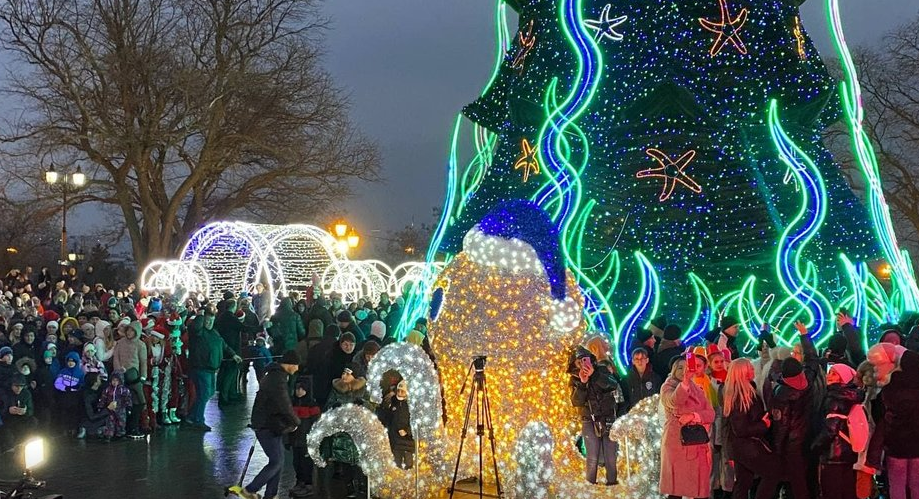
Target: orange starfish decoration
<point>728,29</point>
<point>671,171</point>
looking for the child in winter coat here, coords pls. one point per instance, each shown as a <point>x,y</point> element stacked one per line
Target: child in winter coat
<point>262,356</point>
<point>308,412</point>
<point>92,364</point>
<point>119,394</point>
<point>395,416</point>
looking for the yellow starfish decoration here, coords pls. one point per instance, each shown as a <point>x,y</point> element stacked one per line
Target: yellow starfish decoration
<point>527,160</point>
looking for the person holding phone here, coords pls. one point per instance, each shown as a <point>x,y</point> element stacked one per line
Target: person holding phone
<point>596,393</point>
<point>685,467</point>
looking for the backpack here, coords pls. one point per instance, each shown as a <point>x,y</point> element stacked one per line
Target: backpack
<point>859,429</point>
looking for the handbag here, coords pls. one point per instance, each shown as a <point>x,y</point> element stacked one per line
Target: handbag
<point>693,434</point>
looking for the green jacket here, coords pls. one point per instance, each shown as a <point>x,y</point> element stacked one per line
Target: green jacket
<point>206,348</point>
<point>286,327</point>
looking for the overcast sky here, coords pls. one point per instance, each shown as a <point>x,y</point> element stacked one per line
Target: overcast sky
<point>411,65</point>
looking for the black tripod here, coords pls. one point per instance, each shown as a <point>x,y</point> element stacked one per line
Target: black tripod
<point>479,394</point>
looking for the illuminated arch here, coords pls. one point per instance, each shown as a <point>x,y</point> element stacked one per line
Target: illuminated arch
<point>238,255</point>
<point>171,275</point>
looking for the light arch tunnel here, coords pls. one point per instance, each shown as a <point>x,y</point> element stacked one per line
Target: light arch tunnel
<point>237,255</point>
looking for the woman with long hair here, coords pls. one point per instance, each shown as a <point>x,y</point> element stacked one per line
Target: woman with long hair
<point>746,427</point>
<point>685,466</point>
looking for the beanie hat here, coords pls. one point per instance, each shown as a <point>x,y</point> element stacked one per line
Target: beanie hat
<point>291,357</point>
<point>727,321</point>
<point>700,353</point>
<point>159,332</point>
<point>378,329</point>
<point>791,367</point>
<point>147,324</point>
<point>884,357</point>
<point>660,322</point>
<point>837,343</point>
<point>519,237</point>
<point>88,328</point>
<point>332,331</point>
<point>361,314</point>
<point>642,335</point>
<point>6,351</point>
<point>672,332</point>
<point>846,373</point>
<point>52,325</point>
<point>48,352</point>
<point>713,350</point>
<point>344,316</point>
<point>18,380</point>
<point>112,302</point>
<point>50,315</point>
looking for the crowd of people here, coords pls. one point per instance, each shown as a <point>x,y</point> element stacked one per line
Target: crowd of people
<point>835,424</point>
<point>80,359</point>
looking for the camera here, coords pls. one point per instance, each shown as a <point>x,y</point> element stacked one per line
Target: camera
<point>479,362</point>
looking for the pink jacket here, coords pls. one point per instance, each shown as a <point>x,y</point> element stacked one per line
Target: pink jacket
<point>130,353</point>
<point>685,470</point>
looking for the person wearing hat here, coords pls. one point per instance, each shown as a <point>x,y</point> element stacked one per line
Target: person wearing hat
<point>792,414</point>
<point>7,370</point>
<point>729,327</point>
<point>346,389</point>
<point>18,414</point>
<point>363,357</point>
<point>395,416</point>
<point>230,328</point>
<point>837,458</point>
<point>206,352</point>
<point>319,363</point>
<point>668,349</point>
<point>273,416</point>
<point>347,325</point>
<point>286,327</point>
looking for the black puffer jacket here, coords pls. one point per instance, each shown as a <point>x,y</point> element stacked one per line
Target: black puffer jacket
<point>832,447</point>
<point>272,409</point>
<point>901,407</point>
<point>791,418</point>
<point>601,398</point>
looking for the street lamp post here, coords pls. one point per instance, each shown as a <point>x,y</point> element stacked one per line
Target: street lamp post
<point>346,237</point>
<point>66,181</point>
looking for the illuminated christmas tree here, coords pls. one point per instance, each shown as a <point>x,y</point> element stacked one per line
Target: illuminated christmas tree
<point>677,146</point>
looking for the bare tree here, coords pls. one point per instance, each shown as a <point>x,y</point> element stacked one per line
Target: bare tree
<point>889,77</point>
<point>181,111</point>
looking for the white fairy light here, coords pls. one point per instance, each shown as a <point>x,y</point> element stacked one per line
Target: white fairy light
<point>418,371</point>
<point>174,275</point>
<point>238,255</point>
<point>535,470</point>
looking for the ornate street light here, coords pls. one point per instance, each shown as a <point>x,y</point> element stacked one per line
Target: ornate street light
<point>67,182</point>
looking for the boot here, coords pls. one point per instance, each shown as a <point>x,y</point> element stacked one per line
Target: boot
<point>173,417</point>
<point>81,433</point>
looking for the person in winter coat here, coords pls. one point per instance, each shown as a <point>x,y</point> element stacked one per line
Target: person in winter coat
<point>596,393</point>
<point>746,432</point>
<point>897,371</point>
<point>118,400</point>
<point>343,354</point>
<point>308,412</point>
<point>26,346</point>
<point>286,328</point>
<point>837,476</point>
<point>320,311</point>
<point>7,370</point>
<point>791,416</point>
<point>319,363</point>
<point>44,393</point>
<point>854,350</point>
<point>94,415</point>
<point>668,349</point>
<point>340,447</point>
<point>207,350</point>
<point>130,351</point>
<point>395,416</point>
<point>273,416</point>
<point>815,372</point>
<point>91,364</point>
<point>230,327</point>
<point>729,327</point>
<point>685,469</point>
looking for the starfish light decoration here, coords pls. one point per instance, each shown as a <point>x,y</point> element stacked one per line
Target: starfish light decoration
<point>606,27</point>
<point>527,42</point>
<point>527,160</point>
<point>728,29</point>
<point>672,171</point>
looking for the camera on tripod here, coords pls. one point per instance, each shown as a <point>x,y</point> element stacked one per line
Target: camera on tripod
<point>478,362</point>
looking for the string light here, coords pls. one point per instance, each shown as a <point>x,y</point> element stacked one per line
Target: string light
<point>526,42</point>
<point>238,255</point>
<point>174,276</point>
<point>727,29</point>
<point>535,471</point>
<point>672,171</point>
<point>527,161</point>
<point>798,31</point>
<point>606,26</point>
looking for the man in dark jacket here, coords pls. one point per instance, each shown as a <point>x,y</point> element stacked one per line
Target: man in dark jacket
<point>729,327</point>
<point>854,347</point>
<point>320,310</point>
<point>791,415</point>
<point>230,328</point>
<point>642,381</point>
<point>319,363</point>
<point>205,354</point>
<point>273,416</point>
<point>668,348</point>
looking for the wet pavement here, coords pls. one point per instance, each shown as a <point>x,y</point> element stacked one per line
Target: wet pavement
<point>173,463</point>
